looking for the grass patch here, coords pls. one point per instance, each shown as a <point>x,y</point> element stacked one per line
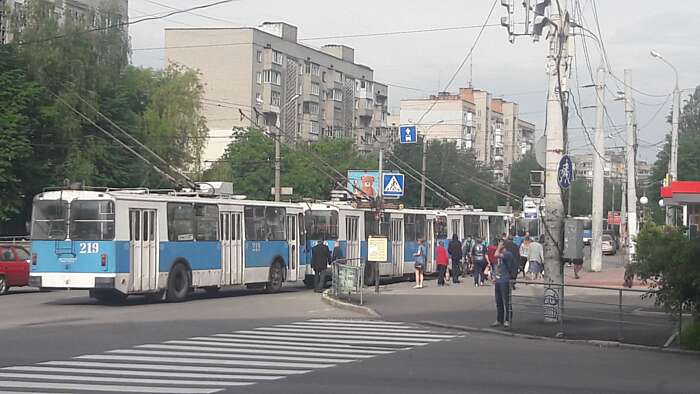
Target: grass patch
<point>690,337</point>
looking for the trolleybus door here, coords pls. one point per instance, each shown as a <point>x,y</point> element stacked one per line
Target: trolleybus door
<point>293,241</point>
<point>396,238</point>
<point>432,245</point>
<point>143,249</point>
<point>232,271</point>
<point>484,228</point>
<point>352,235</point>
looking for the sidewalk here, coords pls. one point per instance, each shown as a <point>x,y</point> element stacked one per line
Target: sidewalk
<point>612,275</point>
<point>589,313</point>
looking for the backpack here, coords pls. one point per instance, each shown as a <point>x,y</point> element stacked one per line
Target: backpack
<point>478,252</point>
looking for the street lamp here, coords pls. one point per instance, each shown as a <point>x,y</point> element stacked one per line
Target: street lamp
<point>425,161</point>
<point>673,163</point>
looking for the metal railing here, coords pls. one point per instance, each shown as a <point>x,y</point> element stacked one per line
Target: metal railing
<point>348,278</point>
<point>19,240</point>
<point>591,312</point>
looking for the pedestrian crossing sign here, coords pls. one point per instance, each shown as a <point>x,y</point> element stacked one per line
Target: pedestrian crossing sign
<point>393,185</point>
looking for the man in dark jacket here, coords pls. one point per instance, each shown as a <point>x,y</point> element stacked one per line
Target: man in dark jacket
<point>320,256</point>
<point>503,272</point>
<point>514,250</point>
<point>455,251</point>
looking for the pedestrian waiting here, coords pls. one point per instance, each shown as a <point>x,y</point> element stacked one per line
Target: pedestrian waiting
<point>479,257</point>
<point>455,251</point>
<point>442,260</point>
<point>504,272</point>
<point>420,258</point>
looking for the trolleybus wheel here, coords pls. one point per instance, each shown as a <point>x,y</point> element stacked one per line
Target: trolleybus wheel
<point>178,283</point>
<point>3,285</point>
<point>276,278</point>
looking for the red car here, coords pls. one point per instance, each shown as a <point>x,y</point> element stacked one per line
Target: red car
<point>14,267</point>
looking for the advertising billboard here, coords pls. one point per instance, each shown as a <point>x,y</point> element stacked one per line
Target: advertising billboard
<point>363,184</point>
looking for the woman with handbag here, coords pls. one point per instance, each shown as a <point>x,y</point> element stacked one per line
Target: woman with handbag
<point>420,258</point>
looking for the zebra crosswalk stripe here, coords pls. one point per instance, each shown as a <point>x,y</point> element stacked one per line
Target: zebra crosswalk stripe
<point>216,362</point>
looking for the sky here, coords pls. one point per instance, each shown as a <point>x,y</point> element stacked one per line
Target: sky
<point>423,63</point>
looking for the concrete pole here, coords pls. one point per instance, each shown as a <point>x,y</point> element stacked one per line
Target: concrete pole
<point>554,133</point>
<point>673,162</point>
<point>423,170</point>
<point>598,177</point>
<point>278,165</point>
<point>631,170</point>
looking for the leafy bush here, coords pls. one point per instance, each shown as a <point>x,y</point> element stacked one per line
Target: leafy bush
<point>690,337</point>
<point>670,263</point>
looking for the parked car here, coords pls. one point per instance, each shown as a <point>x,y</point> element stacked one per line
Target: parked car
<point>616,239</point>
<point>608,245</point>
<point>14,267</point>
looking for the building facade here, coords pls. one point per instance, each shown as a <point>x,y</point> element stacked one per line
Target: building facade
<point>490,127</point>
<point>93,13</point>
<point>265,72</point>
<point>614,167</point>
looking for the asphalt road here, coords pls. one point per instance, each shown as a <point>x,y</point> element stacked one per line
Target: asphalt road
<point>62,342</point>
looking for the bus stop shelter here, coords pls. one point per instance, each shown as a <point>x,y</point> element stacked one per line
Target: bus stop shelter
<point>685,194</point>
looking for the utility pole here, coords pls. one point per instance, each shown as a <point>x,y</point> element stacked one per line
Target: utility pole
<point>631,171</point>
<point>558,70</point>
<point>673,163</point>
<point>598,176</point>
<point>423,169</point>
<point>278,165</point>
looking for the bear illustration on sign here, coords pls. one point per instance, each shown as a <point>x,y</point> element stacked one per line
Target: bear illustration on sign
<point>366,190</point>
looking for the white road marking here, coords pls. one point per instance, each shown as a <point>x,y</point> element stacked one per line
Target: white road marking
<point>120,380</point>
<point>334,326</point>
<point>354,332</point>
<point>252,351</point>
<point>144,373</point>
<point>249,339</point>
<point>316,340</point>
<point>166,367</point>
<point>356,326</point>
<point>229,356</point>
<point>353,321</point>
<point>214,361</point>
<point>293,333</point>
<point>105,387</point>
<point>260,345</point>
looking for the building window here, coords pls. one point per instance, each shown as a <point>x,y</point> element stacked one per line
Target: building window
<point>314,127</point>
<point>323,78</point>
<point>311,108</point>
<point>258,77</point>
<point>337,95</point>
<point>273,77</point>
<point>260,56</point>
<point>275,98</point>
<point>363,84</point>
<point>277,58</point>
<point>339,77</point>
<point>315,89</point>
<point>313,69</point>
<point>258,98</point>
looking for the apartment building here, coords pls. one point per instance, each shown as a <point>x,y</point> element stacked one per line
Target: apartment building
<point>614,167</point>
<point>93,13</point>
<point>490,127</point>
<point>265,72</point>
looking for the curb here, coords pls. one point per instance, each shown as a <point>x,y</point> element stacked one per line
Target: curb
<point>589,342</point>
<point>348,306</point>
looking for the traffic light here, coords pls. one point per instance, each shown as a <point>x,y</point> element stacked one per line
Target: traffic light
<point>536,184</point>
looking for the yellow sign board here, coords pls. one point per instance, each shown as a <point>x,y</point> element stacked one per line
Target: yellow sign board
<point>377,249</point>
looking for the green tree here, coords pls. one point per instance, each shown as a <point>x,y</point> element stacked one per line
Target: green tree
<point>18,113</point>
<point>670,262</point>
<point>688,153</point>
<point>452,169</point>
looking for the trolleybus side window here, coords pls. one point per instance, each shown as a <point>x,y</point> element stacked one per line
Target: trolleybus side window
<point>421,226</point>
<point>321,224</point>
<point>207,222</point>
<point>92,220</point>
<point>371,224</point>
<point>180,222</point>
<point>265,224</point>
<point>471,226</point>
<point>50,219</point>
<point>414,227</point>
<point>440,227</point>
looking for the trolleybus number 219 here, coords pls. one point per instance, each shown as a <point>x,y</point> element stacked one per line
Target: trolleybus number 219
<point>89,247</point>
